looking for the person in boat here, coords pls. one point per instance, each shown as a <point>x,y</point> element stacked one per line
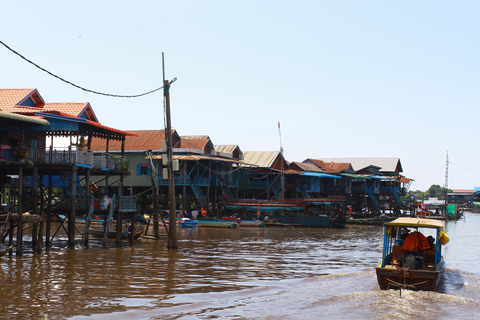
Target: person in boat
<point>431,242</point>
<point>404,233</point>
<point>129,228</point>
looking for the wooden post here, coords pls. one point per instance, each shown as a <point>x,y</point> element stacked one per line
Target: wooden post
<point>35,208</point>
<point>73,211</point>
<point>120,194</point>
<point>20,213</point>
<point>49,213</point>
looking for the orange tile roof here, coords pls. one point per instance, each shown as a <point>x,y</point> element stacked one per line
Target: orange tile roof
<point>72,108</point>
<point>10,99</point>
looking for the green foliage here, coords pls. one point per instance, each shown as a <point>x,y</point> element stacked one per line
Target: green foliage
<point>435,191</point>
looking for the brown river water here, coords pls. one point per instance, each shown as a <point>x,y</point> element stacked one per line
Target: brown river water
<point>245,273</point>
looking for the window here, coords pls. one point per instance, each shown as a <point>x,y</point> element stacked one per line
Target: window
<point>143,169</point>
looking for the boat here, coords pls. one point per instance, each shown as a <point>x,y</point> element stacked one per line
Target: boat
<point>217,223</point>
<point>99,233</point>
<point>6,251</point>
<point>183,222</point>
<point>251,223</point>
<point>374,221</point>
<point>245,223</point>
<point>97,221</point>
<point>274,223</point>
<point>188,223</point>
<point>320,212</point>
<point>412,260</point>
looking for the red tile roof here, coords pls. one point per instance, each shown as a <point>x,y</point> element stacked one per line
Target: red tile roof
<point>10,99</point>
<point>73,108</point>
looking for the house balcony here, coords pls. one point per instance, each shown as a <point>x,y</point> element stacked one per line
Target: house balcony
<point>61,156</point>
<point>70,155</point>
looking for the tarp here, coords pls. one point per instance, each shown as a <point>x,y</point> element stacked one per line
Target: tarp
<point>356,176</point>
<point>319,203</point>
<point>320,175</point>
<point>451,211</point>
<point>382,177</point>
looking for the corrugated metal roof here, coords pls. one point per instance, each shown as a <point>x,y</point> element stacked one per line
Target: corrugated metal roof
<point>386,164</point>
<point>197,158</point>
<point>306,166</point>
<point>145,140</point>
<point>226,148</point>
<point>404,180</point>
<point>263,159</point>
<point>200,137</point>
<point>197,142</point>
<point>186,143</point>
<point>467,191</point>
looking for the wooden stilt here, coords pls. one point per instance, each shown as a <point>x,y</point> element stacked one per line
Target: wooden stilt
<point>71,217</point>
<point>20,212</point>
<point>49,213</point>
<point>35,208</point>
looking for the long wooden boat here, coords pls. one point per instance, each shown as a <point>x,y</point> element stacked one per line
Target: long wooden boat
<point>184,223</point>
<point>99,233</point>
<point>251,223</point>
<point>321,212</point>
<point>376,221</point>
<point>217,223</point>
<point>412,261</point>
<point>245,223</point>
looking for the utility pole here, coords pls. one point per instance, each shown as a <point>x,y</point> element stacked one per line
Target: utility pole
<point>282,175</point>
<point>172,230</point>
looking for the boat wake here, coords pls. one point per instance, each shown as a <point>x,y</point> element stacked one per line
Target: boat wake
<point>334,296</point>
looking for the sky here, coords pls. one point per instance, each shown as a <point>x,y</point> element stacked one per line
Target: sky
<point>343,78</point>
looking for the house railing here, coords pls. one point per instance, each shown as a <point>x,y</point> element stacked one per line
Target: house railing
<point>108,161</point>
<point>61,155</point>
<point>50,155</point>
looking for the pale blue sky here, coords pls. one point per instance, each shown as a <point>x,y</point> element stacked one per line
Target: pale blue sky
<point>344,78</point>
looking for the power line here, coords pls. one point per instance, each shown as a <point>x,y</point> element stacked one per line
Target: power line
<point>77,86</point>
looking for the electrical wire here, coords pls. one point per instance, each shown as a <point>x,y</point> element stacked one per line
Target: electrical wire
<point>77,86</point>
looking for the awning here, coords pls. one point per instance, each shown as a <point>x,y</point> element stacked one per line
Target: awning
<point>320,175</point>
<point>355,176</point>
<point>19,117</point>
<point>382,177</point>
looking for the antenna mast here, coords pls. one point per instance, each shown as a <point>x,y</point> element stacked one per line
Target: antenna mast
<point>446,184</point>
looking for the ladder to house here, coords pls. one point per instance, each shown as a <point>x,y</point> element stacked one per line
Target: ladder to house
<point>372,197</point>
<point>226,191</point>
<point>303,191</point>
<point>199,193</point>
<point>396,196</point>
<point>66,177</point>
